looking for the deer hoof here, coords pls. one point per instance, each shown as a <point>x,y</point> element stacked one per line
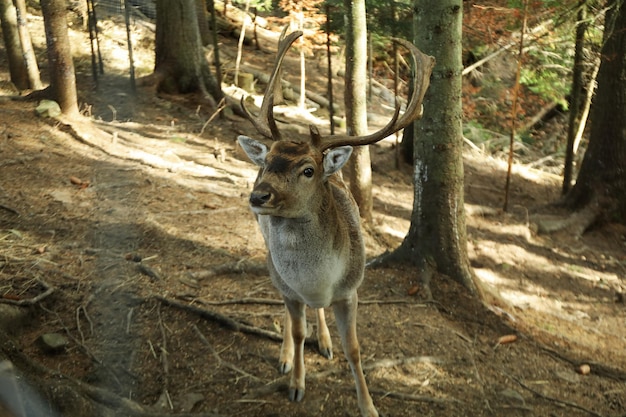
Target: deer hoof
<point>326,352</point>
<point>296,394</point>
<point>284,367</point>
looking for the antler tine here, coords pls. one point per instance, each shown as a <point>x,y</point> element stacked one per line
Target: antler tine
<point>423,68</point>
<point>264,122</point>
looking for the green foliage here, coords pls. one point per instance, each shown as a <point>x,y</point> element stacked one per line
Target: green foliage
<point>547,70</point>
<point>380,17</point>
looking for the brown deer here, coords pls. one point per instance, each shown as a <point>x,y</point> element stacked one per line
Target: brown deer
<point>311,225</point>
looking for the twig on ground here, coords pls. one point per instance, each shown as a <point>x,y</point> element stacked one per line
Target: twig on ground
<point>49,289</point>
<point>221,361</point>
<point>556,400</point>
<point>9,209</point>
<point>164,360</point>
<point>220,106</point>
<point>413,397</point>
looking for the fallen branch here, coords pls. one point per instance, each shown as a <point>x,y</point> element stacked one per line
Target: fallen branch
<point>239,267</point>
<point>553,399</point>
<point>221,319</point>
<point>49,289</point>
<point>262,301</point>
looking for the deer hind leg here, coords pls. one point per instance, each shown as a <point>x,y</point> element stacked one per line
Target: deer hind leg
<point>285,362</point>
<point>324,343</point>
<point>296,311</point>
<point>345,315</point>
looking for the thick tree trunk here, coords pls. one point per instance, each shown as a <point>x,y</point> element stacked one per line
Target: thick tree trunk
<point>179,56</point>
<point>61,66</point>
<point>436,241</point>
<point>203,22</point>
<point>360,168</point>
<point>17,67</point>
<point>32,69</point>
<point>602,176</point>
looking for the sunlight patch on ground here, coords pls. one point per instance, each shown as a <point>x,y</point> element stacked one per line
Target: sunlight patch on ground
<point>490,277</point>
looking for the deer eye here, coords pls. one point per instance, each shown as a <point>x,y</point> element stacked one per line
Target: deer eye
<point>308,172</point>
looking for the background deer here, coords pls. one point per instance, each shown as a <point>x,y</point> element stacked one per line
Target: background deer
<point>311,225</point>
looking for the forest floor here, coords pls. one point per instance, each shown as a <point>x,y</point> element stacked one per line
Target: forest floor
<point>129,234</point>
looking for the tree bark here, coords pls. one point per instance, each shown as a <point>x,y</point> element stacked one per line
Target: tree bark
<point>203,22</point>
<point>61,66</point>
<point>179,58</point>
<point>575,95</point>
<point>359,169</point>
<point>436,241</point>
<point>10,34</point>
<point>32,69</point>
<point>602,176</point>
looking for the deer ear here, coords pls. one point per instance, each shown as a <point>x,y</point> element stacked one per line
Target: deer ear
<point>255,150</point>
<point>335,159</point>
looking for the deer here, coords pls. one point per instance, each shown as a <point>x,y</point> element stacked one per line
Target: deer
<point>311,224</point>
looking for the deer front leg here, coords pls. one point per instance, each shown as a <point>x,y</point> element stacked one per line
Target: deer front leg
<point>324,343</point>
<point>345,315</point>
<point>296,313</point>
<point>285,362</point>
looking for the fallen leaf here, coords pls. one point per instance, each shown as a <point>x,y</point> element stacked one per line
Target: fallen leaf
<point>413,290</point>
<point>509,338</point>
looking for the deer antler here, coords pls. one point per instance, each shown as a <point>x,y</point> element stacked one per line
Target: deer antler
<point>423,67</point>
<point>264,122</point>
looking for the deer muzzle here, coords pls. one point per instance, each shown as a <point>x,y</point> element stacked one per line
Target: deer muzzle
<point>262,196</point>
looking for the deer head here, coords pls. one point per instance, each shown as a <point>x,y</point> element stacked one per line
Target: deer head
<point>292,170</point>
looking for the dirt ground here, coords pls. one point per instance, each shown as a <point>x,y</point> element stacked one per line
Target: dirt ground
<point>127,218</point>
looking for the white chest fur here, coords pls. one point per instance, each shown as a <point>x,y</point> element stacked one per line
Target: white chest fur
<point>304,259</point>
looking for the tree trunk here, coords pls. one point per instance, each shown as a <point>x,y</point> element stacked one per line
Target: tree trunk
<point>602,176</point>
<point>28,53</point>
<point>437,240</point>
<point>360,169</point>
<point>10,34</point>
<point>179,58</point>
<point>61,66</point>
<point>575,95</point>
<point>203,22</point>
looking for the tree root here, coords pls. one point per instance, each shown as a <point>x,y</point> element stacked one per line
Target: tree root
<point>575,224</point>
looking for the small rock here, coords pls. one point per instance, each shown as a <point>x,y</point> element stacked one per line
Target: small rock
<point>48,108</point>
<point>189,401</point>
<point>52,342</point>
<point>512,396</point>
<point>584,369</point>
<point>12,318</point>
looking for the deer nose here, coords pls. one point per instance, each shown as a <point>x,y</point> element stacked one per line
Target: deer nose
<point>258,198</point>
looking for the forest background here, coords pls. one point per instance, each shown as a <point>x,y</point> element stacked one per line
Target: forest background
<point>99,216</point>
